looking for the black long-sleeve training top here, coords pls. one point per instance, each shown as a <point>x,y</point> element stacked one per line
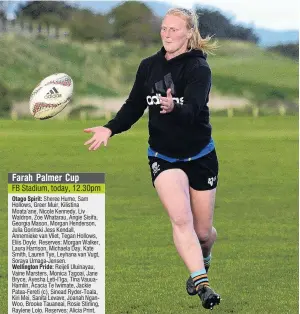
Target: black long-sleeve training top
<point>186,130</point>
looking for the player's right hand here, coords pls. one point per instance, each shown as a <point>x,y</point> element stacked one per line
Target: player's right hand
<point>101,136</point>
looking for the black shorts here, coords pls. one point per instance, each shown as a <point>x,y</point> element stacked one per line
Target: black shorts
<point>202,172</point>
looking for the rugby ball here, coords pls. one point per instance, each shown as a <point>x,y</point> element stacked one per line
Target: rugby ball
<point>51,96</point>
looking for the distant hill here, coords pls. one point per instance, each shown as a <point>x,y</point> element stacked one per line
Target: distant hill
<point>271,38</point>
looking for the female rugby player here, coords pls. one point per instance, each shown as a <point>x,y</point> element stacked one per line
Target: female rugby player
<point>175,84</point>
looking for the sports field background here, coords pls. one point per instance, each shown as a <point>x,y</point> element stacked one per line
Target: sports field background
<point>108,69</point>
<point>255,260</point>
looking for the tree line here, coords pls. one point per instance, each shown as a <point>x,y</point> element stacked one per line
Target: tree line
<point>131,21</point>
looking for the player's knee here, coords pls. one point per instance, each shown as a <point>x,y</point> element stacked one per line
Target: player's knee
<point>182,221</point>
<point>206,234</point>
<point>203,236</point>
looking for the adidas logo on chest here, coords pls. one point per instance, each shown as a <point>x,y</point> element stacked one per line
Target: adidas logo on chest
<point>154,100</point>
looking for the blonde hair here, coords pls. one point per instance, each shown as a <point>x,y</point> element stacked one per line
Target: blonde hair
<point>196,41</point>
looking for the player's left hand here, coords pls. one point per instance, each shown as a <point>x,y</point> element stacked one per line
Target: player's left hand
<point>166,103</point>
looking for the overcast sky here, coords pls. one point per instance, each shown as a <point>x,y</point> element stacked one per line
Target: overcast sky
<point>279,15</point>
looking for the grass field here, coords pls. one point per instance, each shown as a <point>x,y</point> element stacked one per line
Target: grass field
<point>255,260</point>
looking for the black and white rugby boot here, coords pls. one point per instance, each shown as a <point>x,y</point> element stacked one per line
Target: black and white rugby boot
<point>208,297</point>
